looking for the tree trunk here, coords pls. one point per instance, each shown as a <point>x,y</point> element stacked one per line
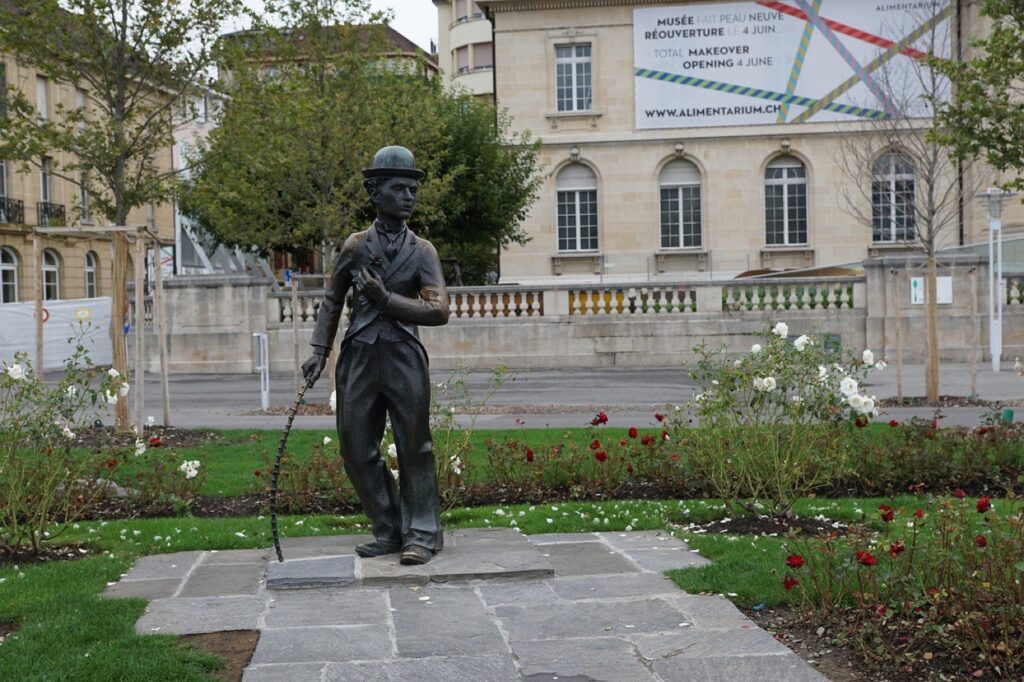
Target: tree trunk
<point>118,312</point>
<point>931,322</point>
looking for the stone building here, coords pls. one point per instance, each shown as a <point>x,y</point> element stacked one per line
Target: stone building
<point>465,49</point>
<point>659,170</point>
<point>72,267</point>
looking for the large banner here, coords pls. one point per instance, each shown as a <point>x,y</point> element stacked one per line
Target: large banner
<point>63,319</point>
<point>771,62</point>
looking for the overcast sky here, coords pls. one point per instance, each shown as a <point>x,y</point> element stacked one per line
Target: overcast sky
<point>415,19</point>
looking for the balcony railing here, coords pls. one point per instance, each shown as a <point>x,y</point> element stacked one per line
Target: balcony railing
<point>50,215</point>
<point>12,211</point>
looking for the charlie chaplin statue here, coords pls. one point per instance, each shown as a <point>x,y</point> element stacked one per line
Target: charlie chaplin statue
<point>382,367</point>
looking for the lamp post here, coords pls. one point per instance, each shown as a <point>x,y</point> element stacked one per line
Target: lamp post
<point>994,202</point>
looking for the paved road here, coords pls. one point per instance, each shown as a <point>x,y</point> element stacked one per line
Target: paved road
<point>555,397</point>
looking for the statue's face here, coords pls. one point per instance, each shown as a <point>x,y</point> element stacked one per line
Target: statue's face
<point>395,197</point>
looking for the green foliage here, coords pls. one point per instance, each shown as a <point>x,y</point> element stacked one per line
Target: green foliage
<point>986,114</point>
<point>43,486</point>
<point>770,420</point>
<point>944,575</point>
<point>283,168</point>
<point>134,60</point>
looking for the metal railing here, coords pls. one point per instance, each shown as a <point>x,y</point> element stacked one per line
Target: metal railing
<point>12,211</point>
<point>50,215</point>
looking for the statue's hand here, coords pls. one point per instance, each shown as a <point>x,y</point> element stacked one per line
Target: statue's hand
<point>371,286</point>
<point>312,367</point>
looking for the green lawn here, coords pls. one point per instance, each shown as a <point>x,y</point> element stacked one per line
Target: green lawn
<point>68,632</point>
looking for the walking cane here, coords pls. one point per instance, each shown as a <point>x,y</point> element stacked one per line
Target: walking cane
<point>277,469</point>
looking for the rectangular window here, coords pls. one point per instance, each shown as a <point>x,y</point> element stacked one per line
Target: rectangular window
<point>46,179</point>
<point>797,207</point>
<point>42,99</point>
<point>573,77</point>
<point>680,217</point>
<point>8,282</point>
<point>483,55</point>
<point>462,59</point>
<point>892,210</point>
<point>51,285</point>
<point>577,220</point>
<point>461,9</point>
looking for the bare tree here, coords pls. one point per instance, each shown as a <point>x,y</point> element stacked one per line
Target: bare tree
<point>902,183</point>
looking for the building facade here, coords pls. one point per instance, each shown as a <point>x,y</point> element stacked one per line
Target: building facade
<point>701,140</point>
<point>70,266</point>
<point>465,47</point>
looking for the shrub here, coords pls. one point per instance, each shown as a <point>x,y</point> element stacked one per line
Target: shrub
<point>943,579</point>
<point>43,486</point>
<point>769,421</point>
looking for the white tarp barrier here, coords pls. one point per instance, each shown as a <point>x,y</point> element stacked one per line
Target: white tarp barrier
<point>775,62</point>
<point>62,319</point>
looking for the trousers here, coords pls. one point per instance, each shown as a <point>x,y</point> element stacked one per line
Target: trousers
<point>373,381</point>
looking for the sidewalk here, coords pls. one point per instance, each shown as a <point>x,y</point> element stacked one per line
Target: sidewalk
<point>551,397</point>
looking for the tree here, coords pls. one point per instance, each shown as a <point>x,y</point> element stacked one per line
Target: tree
<point>311,95</point>
<point>986,114</point>
<point>901,182</point>
<point>132,60</point>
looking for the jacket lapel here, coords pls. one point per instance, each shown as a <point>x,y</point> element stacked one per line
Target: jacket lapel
<point>373,246</point>
<point>408,248</point>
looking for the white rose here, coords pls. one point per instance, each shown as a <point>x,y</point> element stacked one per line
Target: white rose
<point>392,451</point>
<point>822,373</point>
<point>802,342</point>
<point>697,398</point>
<point>16,371</point>
<point>150,420</point>
<point>868,357</point>
<point>797,399</point>
<point>140,447</point>
<point>848,386</point>
<point>113,373</point>
<point>334,401</point>
<point>327,440</point>
<point>737,363</point>
<point>756,348</point>
<point>881,364</point>
<point>111,398</point>
<point>72,391</point>
<point>69,434</point>
<point>781,330</point>
<point>758,384</point>
<point>769,384</point>
<point>869,406</point>
<point>123,390</point>
<point>856,401</point>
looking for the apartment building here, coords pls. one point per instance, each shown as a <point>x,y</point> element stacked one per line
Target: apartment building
<point>701,140</point>
<point>71,266</point>
<point>465,48</point>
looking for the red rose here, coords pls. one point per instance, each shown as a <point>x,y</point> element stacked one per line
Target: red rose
<point>600,418</point>
<point>647,439</point>
<point>659,416</point>
<point>897,548</point>
<point>600,455</point>
<point>866,558</point>
<point>919,514</point>
<point>893,423</point>
<point>664,435</point>
<point>629,468</point>
<point>860,423</point>
<point>111,463</point>
<point>675,458</point>
<point>155,441</point>
<point>888,513</point>
<point>529,455</point>
<point>982,431</point>
<point>935,423</point>
<point>932,591</point>
<point>980,541</point>
<point>959,494</point>
<point>983,505</point>
<point>789,583</point>
<point>633,433</point>
<point>596,445</point>
<point>794,561</point>
<point>257,473</point>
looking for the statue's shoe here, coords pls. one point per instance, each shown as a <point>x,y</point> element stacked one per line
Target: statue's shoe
<point>378,548</point>
<point>413,555</point>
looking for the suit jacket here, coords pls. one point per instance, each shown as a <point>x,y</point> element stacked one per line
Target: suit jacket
<point>414,278</point>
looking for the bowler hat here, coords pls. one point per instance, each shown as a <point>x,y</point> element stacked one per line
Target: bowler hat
<point>391,162</point>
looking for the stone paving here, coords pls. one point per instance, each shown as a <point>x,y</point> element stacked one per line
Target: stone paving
<point>495,605</point>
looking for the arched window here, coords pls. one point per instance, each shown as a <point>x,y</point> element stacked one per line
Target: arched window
<point>8,275</point>
<point>785,202</point>
<point>679,185</point>
<point>577,208</point>
<point>51,275</point>
<point>91,281</point>
<point>892,199</point>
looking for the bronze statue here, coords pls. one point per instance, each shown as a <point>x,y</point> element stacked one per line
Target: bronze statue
<point>382,367</point>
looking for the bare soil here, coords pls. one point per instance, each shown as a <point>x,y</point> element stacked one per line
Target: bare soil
<point>234,647</point>
<point>71,551</point>
<point>98,438</point>
<point>771,526</point>
<point>946,401</point>
<point>7,628</point>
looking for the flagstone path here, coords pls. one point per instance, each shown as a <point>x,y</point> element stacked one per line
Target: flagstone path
<point>496,605</point>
